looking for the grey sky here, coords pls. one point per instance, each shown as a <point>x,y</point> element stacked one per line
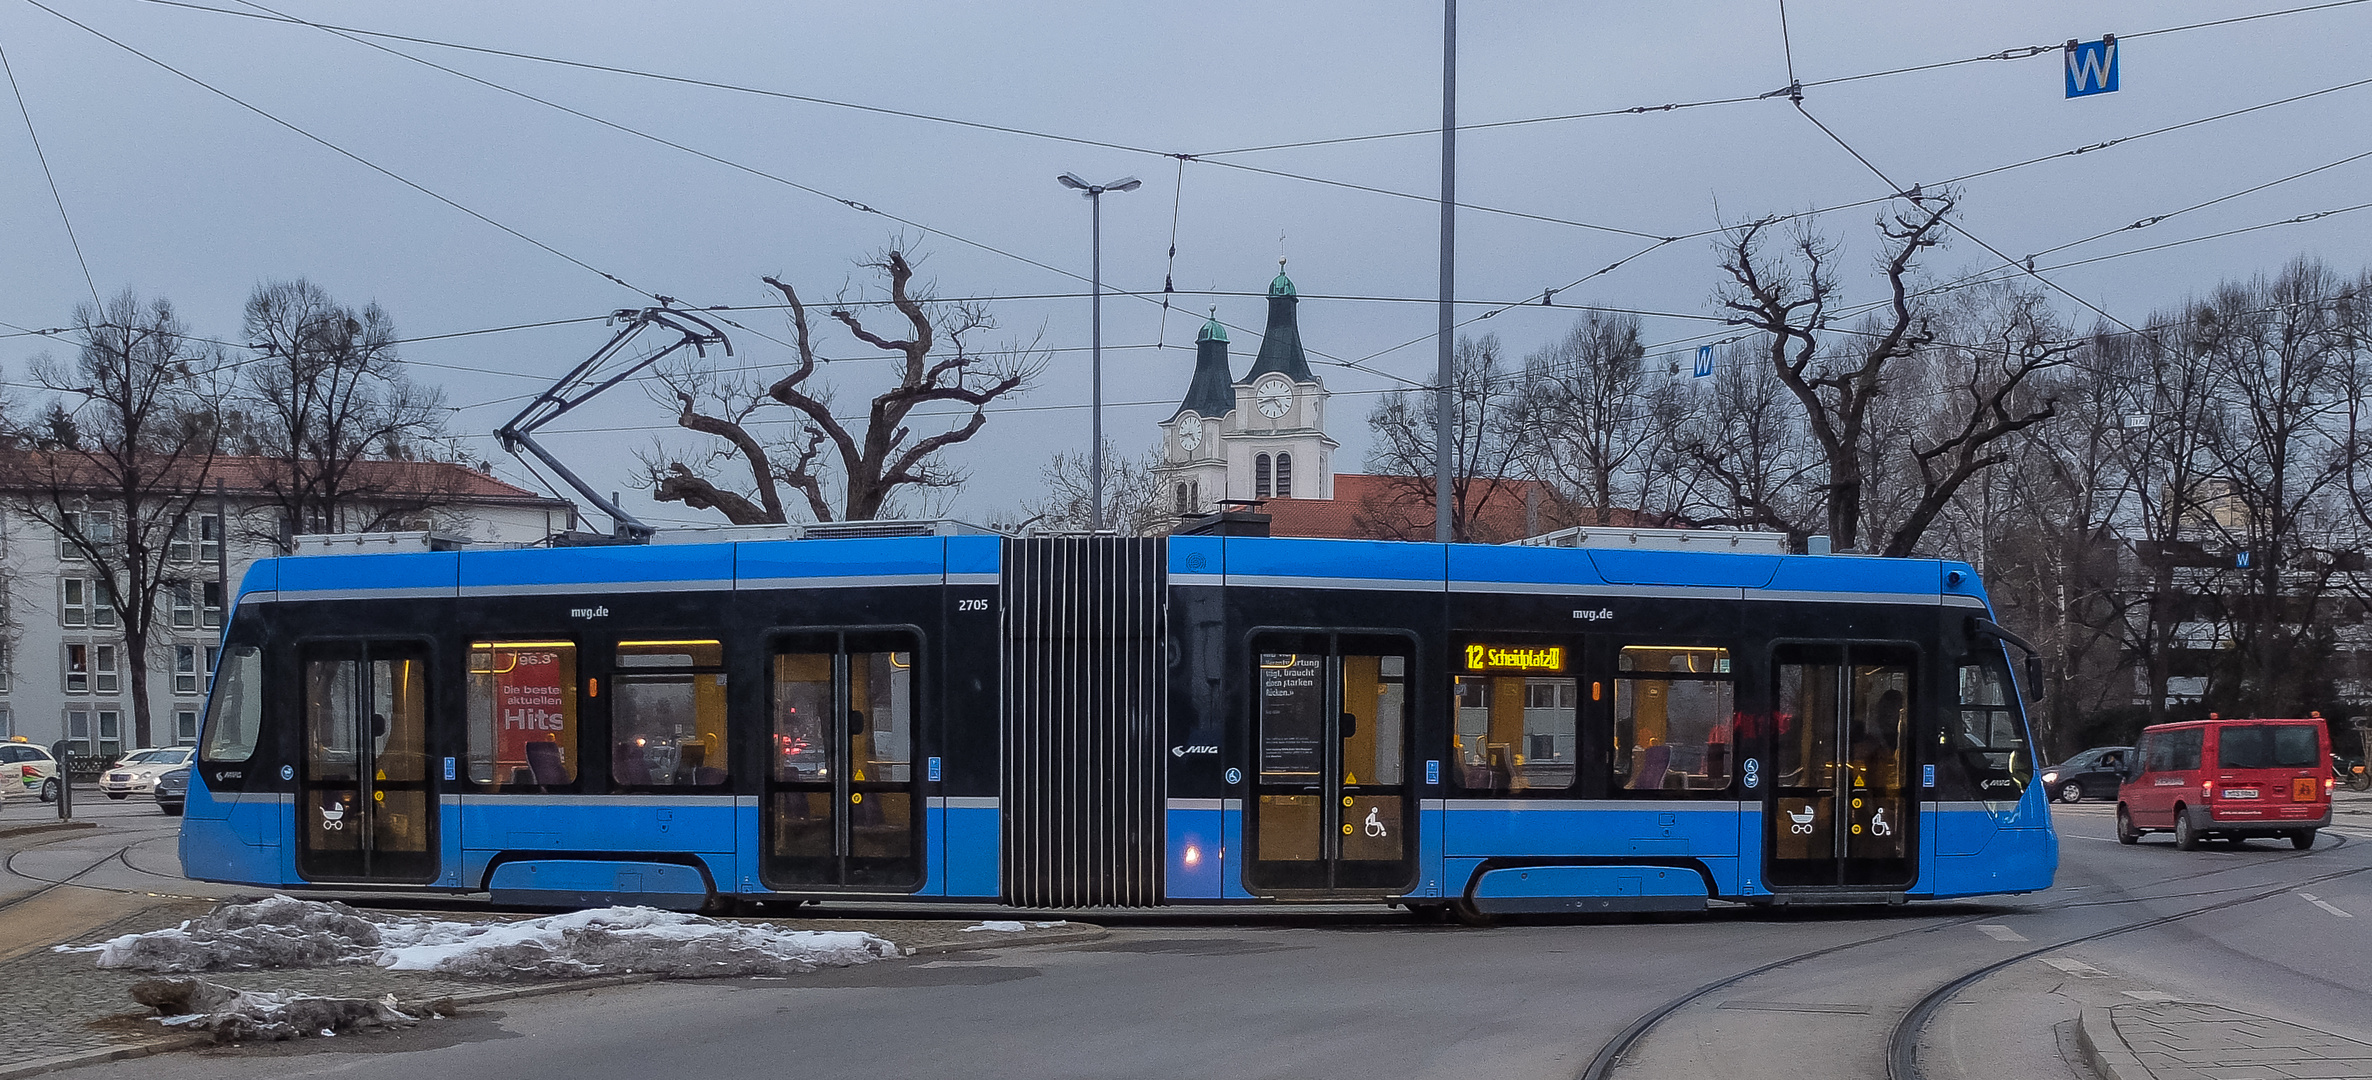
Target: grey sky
<point>182,194</point>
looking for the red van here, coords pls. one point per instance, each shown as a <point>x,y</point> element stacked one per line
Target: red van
<point>2230,778</point>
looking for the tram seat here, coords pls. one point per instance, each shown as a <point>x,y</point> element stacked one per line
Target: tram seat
<point>543,764</point>
<point>628,767</point>
<point>1654,765</point>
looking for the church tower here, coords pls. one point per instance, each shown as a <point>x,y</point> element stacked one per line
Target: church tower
<point>1275,439</point>
<point>1193,467</point>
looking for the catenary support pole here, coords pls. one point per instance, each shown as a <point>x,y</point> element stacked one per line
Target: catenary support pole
<point>1444,417</point>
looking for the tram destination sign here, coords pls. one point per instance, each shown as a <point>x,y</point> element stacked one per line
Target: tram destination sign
<point>1482,657</point>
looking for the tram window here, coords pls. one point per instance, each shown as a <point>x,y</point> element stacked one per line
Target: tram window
<point>235,714</point>
<point>1292,717</point>
<point>1992,737</point>
<point>1517,733</point>
<point>881,716</point>
<point>522,714</point>
<point>1674,711</point>
<point>1375,699</point>
<point>667,715</point>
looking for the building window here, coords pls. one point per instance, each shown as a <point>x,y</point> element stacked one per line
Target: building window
<point>78,668</point>
<point>1181,498</point>
<point>185,669</point>
<point>1284,476</point>
<point>78,731</point>
<point>1260,477</point>
<point>104,679</point>
<point>83,601</point>
<point>7,657</point>
<point>197,538</point>
<point>184,602</point>
<point>185,727</point>
<point>213,655</point>
<point>111,734</point>
<point>1194,495</point>
<point>96,526</point>
<point>210,599</point>
<point>7,723</point>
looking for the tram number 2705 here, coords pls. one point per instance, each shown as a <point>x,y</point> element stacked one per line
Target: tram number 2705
<point>972,605</point>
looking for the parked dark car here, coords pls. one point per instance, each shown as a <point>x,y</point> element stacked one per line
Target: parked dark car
<point>2093,774</point>
<point>172,791</point>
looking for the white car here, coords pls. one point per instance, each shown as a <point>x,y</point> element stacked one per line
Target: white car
<point>136,774</point>
<point>27,769</point>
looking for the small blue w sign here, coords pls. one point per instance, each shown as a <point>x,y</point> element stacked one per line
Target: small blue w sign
<point>2092,67</point>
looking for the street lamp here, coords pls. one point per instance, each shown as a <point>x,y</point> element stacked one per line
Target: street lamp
<point>1095,453</point>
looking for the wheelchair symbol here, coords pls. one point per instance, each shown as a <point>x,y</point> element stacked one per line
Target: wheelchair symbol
<point>1753,769</point>
<point>1374,826</point>
<point>1879,826</point>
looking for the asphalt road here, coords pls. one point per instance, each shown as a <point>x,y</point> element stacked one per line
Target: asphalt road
<point>2274,931</point>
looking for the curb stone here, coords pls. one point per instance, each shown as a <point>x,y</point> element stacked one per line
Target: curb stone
<point>1079,932</point>
<point>7,831</point>
<point>2104,1049</point>
<point>101,1057</point>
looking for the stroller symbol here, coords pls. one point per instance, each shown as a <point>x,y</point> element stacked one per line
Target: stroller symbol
<point>1802,820</point>
<point>333,816</point>
<point>1879,826</point>
<point>1374,827</point>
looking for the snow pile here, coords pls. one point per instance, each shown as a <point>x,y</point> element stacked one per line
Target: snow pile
<point>235,1015</point>
<point>285,932</point>
<point>620,940</point>
<point>1008,926</point>
<point>278,931</point>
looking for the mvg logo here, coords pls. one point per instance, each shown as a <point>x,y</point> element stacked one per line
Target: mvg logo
<point>2092,66</point>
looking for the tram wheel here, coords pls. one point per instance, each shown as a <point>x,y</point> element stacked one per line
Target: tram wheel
<point>1469,915</point>
<point>1430,914</point>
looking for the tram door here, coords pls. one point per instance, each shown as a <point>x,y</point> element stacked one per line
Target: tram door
<point>1332,807</point>
<point>366,807</point>
<point>1841,803</point>
<point>843,805</point>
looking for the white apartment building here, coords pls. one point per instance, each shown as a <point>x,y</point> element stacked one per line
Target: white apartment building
<point>63,670</point>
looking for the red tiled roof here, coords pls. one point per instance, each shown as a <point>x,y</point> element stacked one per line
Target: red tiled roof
<point>1369,507</point>
<point>245,475</point>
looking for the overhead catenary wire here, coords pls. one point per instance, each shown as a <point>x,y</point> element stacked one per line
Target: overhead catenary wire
<point>98,306</point>
<point>340,150</point>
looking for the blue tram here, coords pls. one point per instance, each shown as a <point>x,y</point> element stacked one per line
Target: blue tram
<point>1105,721</point>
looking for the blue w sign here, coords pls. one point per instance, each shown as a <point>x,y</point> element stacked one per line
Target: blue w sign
<point>2092,67</point>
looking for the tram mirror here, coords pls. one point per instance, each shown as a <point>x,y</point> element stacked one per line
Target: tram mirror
<point>1350,726</point>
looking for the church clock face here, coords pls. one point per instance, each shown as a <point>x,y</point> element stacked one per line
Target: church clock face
<point>1275,397</point>
<point>1190,435</point>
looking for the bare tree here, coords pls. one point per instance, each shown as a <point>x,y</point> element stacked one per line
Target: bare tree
<point>117,463</point>
<point>1791,299</point>
<point>934,364</point>
<point>2280,354</point>
<point>1133,503</point>
<point>326,403</point>
<point>1596,416</point>
<point>1748,457</point>
<point>1487,448</point>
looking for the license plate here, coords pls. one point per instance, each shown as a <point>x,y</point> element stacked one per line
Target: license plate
<point>2241,793</point>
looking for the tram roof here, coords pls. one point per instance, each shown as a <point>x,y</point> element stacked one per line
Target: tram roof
<point>1275,562</point>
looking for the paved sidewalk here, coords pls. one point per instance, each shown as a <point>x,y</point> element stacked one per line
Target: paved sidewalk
<point>2186,1041</point>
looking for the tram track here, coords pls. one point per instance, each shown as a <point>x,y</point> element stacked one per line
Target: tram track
<point>1903,1038</point>
<point>47,885</point>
